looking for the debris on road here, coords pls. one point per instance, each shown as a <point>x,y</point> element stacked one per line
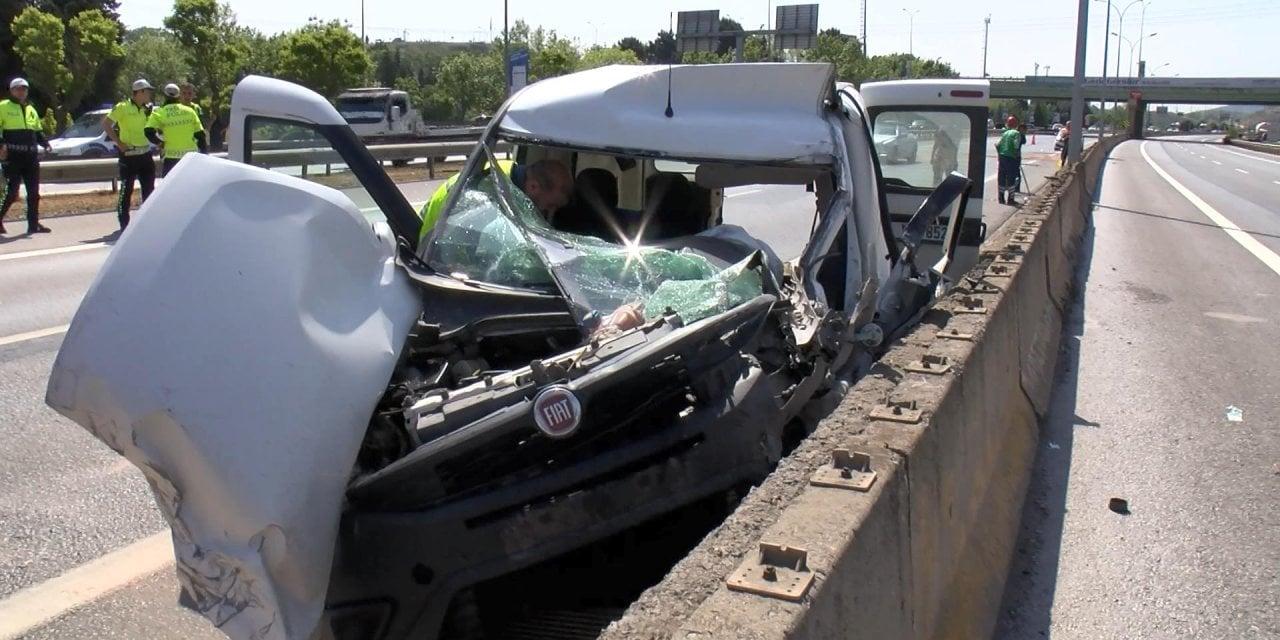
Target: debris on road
<point>1235,414</point>
<point>1119,505</point>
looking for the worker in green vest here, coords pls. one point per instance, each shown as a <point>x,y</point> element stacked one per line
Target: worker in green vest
<point>548,184</point>
<point>126,125</point>
<point>21,136</point>
<point>176,129</point>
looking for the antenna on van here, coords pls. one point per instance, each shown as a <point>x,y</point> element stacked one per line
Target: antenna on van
<point>671,28</point>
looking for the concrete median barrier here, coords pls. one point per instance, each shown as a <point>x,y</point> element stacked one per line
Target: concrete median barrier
<point>1262,147</point>
<point>925,551</point>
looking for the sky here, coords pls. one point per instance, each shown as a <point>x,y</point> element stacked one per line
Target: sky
<point>1193,38</point>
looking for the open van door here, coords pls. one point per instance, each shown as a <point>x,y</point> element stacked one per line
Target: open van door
<point>234,344</point>
<point>922,131</point>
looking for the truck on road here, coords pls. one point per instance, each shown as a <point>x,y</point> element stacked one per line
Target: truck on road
<point>1257,134</point>
<point>383,115</point>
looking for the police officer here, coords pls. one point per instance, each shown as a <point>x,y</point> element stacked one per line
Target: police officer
<point>23,134</point>
<point>126,125</point>
<point>176,128</point>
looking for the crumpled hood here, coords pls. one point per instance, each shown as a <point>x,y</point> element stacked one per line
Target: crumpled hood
<point>233,347</point>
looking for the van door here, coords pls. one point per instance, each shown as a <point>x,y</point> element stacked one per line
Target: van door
<point>923,130</point>
<point>289,129</point>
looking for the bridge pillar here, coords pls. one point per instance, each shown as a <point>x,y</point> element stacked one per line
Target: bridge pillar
<point>1137,115</point>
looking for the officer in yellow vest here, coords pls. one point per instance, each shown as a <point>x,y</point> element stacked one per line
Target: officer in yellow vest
<point>21,136</point>
<point>176,129</point>
<point>548,184</point>
<point>126,125</point>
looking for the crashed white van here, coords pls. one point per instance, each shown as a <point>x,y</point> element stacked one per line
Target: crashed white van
<point>348,430</point>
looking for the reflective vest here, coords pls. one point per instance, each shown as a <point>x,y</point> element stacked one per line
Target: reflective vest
<point>178,124</point>
<point>431,210</point>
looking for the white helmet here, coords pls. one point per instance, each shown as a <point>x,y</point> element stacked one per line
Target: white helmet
<point>171,90</point>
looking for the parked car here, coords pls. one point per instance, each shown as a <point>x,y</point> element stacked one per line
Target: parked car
<point>895,142</point>
<point>83,139</point>
<point>347,428</point>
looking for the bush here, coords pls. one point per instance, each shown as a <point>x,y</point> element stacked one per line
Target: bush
<point>49,122</point>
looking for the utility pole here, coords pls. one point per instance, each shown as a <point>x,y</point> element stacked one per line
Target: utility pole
<point>1037,69</point>
<point>986,34</point>
<point>1142,27</point>
<point>911,30</point>
<point>506,48</point>
<point>362,38</point>
<point>1075,143</point>
<point>864,28</point>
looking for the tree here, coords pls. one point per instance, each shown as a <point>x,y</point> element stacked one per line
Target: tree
<point>94,42</point>
<point>154,55</point>
<point>756,49</point>
<point>67,9</point>
<point>262,52</point>
<point>325,56</point>
<point>49,122</point>
<point>843,51</point>
<point>663,49</point>
<point>471,83</point>
<point>38,41</point>
<point>634,46</point>
<point>727,43</point>
<point>206,29</point>
<point>604,56</point>
<point>704,57</point>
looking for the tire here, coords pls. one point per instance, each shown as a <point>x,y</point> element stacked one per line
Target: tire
<point>399,163</point>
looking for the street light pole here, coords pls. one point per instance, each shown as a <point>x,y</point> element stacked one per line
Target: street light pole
<point>362,38</point>
<point>986,34</point>
<point>1075,142</point>
<point>1106,52</point>
<point>911,30</point>
<point>1142,26</point>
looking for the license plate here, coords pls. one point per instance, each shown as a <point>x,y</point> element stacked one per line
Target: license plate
<point>935,233</point>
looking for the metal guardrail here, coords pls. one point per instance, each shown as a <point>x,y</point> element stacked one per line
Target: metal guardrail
<point>107,169</point>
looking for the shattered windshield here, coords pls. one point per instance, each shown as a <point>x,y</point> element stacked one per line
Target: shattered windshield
<point>514,246</point>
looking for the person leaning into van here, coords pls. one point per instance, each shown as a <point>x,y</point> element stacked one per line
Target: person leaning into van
<point>22,135</point>
<point>176,129</point>
<point>126,125</point>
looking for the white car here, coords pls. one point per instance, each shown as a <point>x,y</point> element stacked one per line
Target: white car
<point>83,139</point>
<point>350,431</point>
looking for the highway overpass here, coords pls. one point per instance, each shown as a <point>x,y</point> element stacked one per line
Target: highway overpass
<point>1153,90</point>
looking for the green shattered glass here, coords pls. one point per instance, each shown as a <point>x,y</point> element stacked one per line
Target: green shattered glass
<point>482,241</point>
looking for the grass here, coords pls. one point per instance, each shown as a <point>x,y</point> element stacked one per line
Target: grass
<point>53,205</point>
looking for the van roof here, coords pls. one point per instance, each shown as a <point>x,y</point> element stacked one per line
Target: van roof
<point>758,112</point>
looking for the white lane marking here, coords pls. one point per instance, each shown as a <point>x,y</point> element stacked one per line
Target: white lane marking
<point>52,252</point>
<point>742,193</point>
<point>1249,156</point>
<point>33,335</point>
<point>1217,163</point>
<point>1202,157</point>
<point>38,604</point>
<point>1243,171</point>
<point>1276,181</point>
<point>1267,256</point>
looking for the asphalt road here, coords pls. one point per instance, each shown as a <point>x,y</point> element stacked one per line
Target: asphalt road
<point>1177,322</point>
<point>66,500</point>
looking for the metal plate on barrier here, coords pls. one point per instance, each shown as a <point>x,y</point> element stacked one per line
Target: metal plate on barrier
<point>905,412</point>
<point>777,571</point>
<point>848,470</point>
<point>970,304</point>
<point>954,334</point>
<point>931,364</point>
